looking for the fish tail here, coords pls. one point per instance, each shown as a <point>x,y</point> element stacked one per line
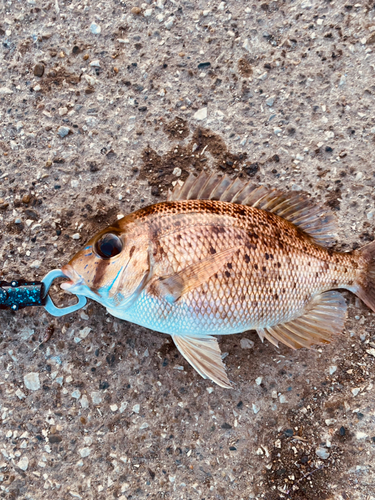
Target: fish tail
<point>366,289</point>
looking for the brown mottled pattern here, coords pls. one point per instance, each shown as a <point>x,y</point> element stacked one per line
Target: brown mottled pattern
<point>270,278</point>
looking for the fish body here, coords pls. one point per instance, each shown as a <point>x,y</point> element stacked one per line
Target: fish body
<point>220,258</point>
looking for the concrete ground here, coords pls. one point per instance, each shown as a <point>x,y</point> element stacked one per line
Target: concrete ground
<point>103,106</point>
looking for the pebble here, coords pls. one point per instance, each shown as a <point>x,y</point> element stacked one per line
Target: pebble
<point>63,111</point>
<point>258,380</point>
<point>37,88</point>
<point>247,344</point>
<point>355,391</point>
<point>201,114</point>
<point>136,408</point>
<point>147,12</point>
<point>371,352</point>
<point>136,11</point>
<point>177,172</point>
<point>256,408</point>
<point>76,236</point>
<point>84,452</point>
<point>114,407</point>
<point>95,63</point>
<point>36,264</point>
<point>169,23</point>
<point>5,90</point>
<point>31,381</point>
<point>23,464</point>
<point>96,398</point>
<point>83,333</point>
<point>95,29</point>
<point>270,100</point>
<point>246,45</point>
<point>20,394</point>
<point>63,131</point>
<point>282,398</point>
<point>76,394</point>
<point>332,369</point>
<point>39,69</point>
<point>263,76</point>
<point>322,452</point>
<point>84,401</point>
<point>277,130</point>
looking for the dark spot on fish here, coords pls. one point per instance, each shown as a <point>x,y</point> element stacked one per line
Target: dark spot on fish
<point>345,270</point>
<point>278,265</point>
<point>271,256</point>
<point>220,229</point>
<point>334,282</point>
<point>227,274</point>
<point>99,272</point>
<point>317,274</point>
<point>294,285</point>
<point>255,266</point>
<point>266,256</point>
<point>229,265</point>
<point>350,282</point>
<point>212,250</point>
<point>254,303</point>
<point>131,251</point>
<point>325,266</point>
<point>251,245</point>
<point>216,276</point>
<point>279,278</point>
<point>179,237</point>
<point>241,211</point>
<point>276,297</point>
<point>247,260</point>
<point>243,297</point>
<point>283,290</point>
<point>309,263</point>
<point>264,269</point>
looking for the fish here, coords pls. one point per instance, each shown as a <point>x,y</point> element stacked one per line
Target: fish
<point>222,257</point>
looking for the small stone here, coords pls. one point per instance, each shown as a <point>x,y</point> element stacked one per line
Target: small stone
<point>247,343</point>
<point>270,100</point>
<point>263,76</point>
<point>95,29</point>
<point>95,63</point>
<point>332,369</point>
<point>123,40</point>
<point>277,130</point>
<point>23,464</point>
<point>355,391</point>
<point>371,40</point>
<point>84,452</point>
<point>84,332</point>
<point>84,401</point>
<point>201,114</point>
<point>37,88</point>
<point>136,408</point>
<point>322,453</point>
<point>5,91</point>
<point>246,45</point>
<point>136,11</point>
<point>256,408</point>
<point>39,69</point>
<point>31,381</point>
<point>76,236</point>
<point>147,13</point>
<point>177,172</point>
<point>361,435</point>
<point>63,111</point>
<point>96,398</point>
<point>114,407</point>
<point>48,164</point>
<point>371,352</point>
<point>144,426</point>
<point>169,23</point>
<point>282,398</point>
<point>258,380</point>
<point>76,394</point>
<point>20,394</point>
<point>63,131</point>
<point>36,264</point>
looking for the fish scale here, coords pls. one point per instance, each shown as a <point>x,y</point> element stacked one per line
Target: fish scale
<point>255,294</point>
<point>220,257</point>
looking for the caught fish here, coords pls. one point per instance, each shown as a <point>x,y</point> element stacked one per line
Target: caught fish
<point>222,257</point>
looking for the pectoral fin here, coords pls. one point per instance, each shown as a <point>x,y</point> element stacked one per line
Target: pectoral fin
<point>171,288</point>
<point>203,353</point>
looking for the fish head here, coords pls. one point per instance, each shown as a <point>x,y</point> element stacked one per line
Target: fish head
<point>111,268</point>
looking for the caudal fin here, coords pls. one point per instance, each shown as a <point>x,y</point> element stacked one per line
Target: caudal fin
<point>366,291</point>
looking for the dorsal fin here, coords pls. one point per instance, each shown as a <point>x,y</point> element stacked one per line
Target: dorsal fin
<point>294,206</point>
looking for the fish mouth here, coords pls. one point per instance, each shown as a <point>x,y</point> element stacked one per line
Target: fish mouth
<point>75,278</point>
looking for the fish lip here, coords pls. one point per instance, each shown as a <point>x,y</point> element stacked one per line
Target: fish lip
<point>75,278</point>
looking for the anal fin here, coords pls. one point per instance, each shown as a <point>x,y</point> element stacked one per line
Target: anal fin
<point>323,320</point>
<point>203,353</point>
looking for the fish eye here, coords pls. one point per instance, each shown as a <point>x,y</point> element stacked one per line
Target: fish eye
<point>109,245</point>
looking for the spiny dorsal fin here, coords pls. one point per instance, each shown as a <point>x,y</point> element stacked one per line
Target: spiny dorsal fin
<point>203,353</point>
<point>294,206</point>
<point>324,319</point>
